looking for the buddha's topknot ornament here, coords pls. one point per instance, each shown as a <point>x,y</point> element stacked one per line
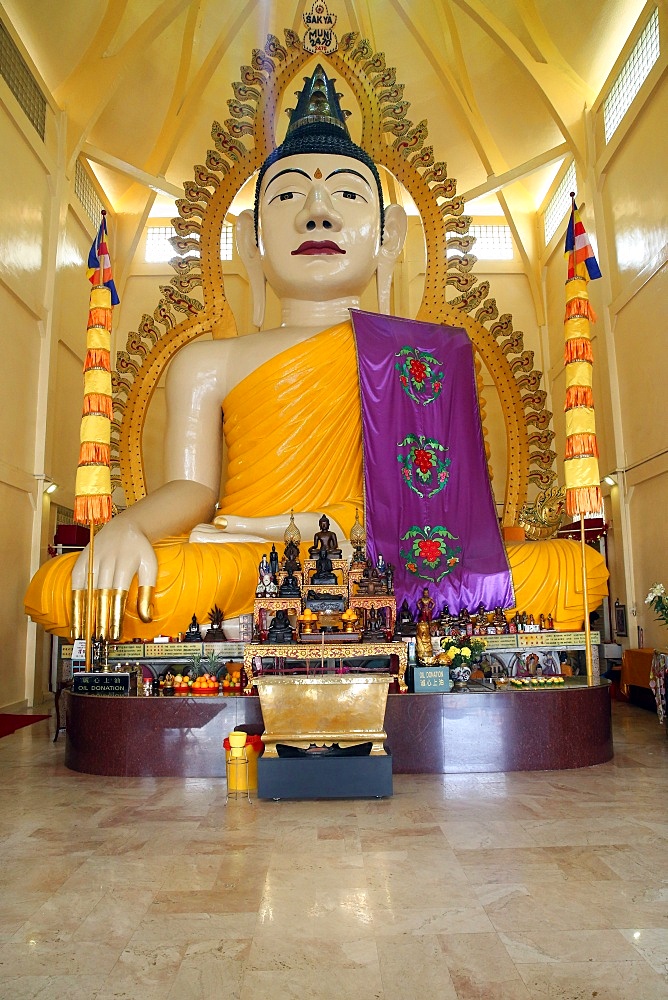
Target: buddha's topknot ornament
<point>318,125</point>
<point>317,103</point>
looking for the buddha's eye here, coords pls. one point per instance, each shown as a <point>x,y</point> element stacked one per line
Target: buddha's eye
<point>286,196</point>
<point>350,194</point>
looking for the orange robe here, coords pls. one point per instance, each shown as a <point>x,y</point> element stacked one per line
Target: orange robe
<point>294,441</point>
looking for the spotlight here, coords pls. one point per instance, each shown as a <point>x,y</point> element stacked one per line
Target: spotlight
<point>51,487</point>
<point>610,480</point>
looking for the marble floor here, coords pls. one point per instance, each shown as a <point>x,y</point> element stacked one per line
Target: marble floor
<point>497,886</point>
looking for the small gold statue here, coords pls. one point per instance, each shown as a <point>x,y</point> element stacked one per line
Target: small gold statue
<point>423,647</point>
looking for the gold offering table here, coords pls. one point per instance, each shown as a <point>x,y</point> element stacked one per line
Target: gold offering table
<point>319,652</point>
<point>321,711</point>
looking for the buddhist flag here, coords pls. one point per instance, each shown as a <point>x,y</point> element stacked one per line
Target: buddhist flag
<point>92,502</point>
<point>578,249</point>
<point>99,263</point>
<point>583,485</point>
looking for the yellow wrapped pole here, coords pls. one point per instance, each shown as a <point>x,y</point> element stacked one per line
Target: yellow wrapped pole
<point>583,484</point>
<point>92,504</point>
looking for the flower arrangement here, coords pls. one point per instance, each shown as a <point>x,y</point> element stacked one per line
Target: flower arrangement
<point>658,600</point>
<point>460,653</point>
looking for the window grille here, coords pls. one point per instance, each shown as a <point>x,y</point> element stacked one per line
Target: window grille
<point>492,242</point>
<point>226,241</point>
<point>158,248</point>
<point>18,77</point>
<point>632,75</point>
<point>160,251</point>
<point>87,195</point>
<point>559,203</point>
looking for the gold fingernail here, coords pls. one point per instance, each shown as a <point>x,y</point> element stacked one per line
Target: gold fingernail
<point>103,605</point>
<point>220,521</point>
<point>145,603</point>
<point>117,610</point>
<point>78,613</point>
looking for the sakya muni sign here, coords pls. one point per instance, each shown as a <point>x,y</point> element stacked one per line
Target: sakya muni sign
<point>320,24</point>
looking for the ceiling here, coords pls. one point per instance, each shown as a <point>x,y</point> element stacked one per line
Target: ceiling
<point>502,83</point>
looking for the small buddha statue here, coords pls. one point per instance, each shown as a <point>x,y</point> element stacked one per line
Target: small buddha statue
<point>374,630</point>
<point>270,588</point>
<point>290,586</point>
<point>325,538</point>
<point>323,567</point>
<point>291,557</point>
<point>405,621</point>
<point>292,538</point>
<point>280,630</point>
<point>193,633</point>
<point>445,620</point>
<point>499,621</point>
<point>368,585</point>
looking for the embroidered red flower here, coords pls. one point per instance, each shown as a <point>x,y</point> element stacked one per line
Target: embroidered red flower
<point>403,380</point>
<point>429,549</point>
<point>424,460</point>
<point>411,567</point>
<point>437,386</point>
<point>418,370</point>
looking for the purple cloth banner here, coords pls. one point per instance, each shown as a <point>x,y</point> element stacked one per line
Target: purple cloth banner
<point>429,506</point>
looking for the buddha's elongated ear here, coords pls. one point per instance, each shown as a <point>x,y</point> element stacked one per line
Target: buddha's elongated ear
<point>250,255</point>
<point>394,237</point>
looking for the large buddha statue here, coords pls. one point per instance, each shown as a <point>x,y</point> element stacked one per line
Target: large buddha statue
<point>318,235</point>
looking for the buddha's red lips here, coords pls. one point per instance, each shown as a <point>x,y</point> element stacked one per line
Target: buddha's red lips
<point>312,247</point>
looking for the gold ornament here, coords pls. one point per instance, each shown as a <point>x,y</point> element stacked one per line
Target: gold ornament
<point>357,533</point>
<point>292,532</point>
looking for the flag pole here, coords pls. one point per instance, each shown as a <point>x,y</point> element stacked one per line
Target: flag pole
<point>585,597</point>
<point>589,666</point>
<point>92,503</point>
<point>89,600</point>
<point>583,490</point>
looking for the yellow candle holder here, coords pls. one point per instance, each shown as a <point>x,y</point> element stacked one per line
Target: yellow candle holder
<point>349,620</point>
<point>307,620</point>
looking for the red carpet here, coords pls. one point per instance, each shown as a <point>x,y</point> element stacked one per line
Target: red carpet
<point>10,723</point>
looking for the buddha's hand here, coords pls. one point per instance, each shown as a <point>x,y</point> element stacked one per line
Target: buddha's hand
<point>219,534</point>
<point>233,528</point>
<point>120,551</point>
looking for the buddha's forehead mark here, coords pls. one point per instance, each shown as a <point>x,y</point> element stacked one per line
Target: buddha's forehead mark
<point>317,175</point>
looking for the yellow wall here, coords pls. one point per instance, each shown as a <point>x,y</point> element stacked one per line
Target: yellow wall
<point>24,210</point>
<point>635,205</point>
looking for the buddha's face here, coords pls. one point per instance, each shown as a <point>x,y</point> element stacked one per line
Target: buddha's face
<point>319,226</point>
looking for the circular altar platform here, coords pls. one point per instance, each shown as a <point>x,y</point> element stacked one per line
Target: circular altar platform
<point>463,733</point>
